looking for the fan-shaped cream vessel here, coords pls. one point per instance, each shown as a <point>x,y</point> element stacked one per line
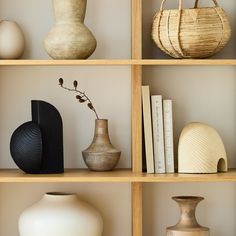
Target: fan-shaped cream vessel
<point>201,150</point>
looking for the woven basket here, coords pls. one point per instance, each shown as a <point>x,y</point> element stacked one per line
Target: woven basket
<point>191,33</point>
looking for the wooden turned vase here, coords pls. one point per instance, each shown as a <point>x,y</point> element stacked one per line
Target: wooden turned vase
<point>187,225</point>
<point>101,155</point>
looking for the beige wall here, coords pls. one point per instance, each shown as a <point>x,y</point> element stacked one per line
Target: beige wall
<point>199,93</point>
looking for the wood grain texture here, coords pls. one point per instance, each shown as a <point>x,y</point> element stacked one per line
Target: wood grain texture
<point>70,175</point>
<point>122,62</point>
<point>137,202</point>
<point>136,29</point>
<point>64,62</point>
<point>136,77</point>
<point>136,119</point>
<point>115,176</point>
<point>136,86</point>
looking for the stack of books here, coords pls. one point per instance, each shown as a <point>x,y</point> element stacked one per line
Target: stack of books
<point>158,133</point>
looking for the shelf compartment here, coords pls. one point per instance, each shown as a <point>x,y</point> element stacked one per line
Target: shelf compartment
<point>116,176</point>
<point>122,62</point>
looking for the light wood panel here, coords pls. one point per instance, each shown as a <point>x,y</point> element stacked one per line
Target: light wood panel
<point>136,86</point>
<point>63,62</point>
<point>70,176</point>
<point>124,62</point>
<point>229,176</point>
<point>136,77</point>
<point>116,176</point>
<point>189,62</point>
<point>137,202</point>
<point>136,119</point>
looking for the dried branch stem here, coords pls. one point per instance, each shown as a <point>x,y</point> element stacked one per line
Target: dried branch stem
<point>83,97</point>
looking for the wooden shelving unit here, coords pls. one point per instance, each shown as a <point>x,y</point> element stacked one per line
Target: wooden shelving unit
<point>133,176</point>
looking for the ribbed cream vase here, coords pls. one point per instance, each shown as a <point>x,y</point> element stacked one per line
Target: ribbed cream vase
<point>70,38</point>
<point>60,214</point>
<point>12,41</point>
<point>201,150</point>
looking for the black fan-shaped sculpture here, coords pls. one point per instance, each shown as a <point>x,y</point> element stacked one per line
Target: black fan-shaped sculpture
<point>37,146</point>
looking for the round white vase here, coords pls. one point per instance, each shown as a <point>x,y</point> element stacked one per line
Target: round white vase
<point>12,42</point>
<point>60,214</point>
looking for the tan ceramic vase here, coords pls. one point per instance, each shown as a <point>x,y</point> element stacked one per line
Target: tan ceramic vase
<point>12,41</point>
<point>101,155</point>
<point>70,38</point>
<point>187,225</point>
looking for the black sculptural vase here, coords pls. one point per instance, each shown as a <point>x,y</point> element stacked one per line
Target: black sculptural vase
<point>37,146</point>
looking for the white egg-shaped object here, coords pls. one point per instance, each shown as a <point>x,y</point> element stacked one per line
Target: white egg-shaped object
<point>12,41</point>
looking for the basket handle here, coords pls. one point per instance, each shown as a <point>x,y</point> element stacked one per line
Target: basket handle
<point>196,3</point>
<point>181,4</point>
<point>163,3</point>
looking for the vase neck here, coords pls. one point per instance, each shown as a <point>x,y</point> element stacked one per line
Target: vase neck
<point>188,207</point>
<point>60,197</point>
<point>70,10</point>
<point>101,133</point>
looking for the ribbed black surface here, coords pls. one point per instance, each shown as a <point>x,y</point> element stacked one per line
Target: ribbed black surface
<point>26,147</point>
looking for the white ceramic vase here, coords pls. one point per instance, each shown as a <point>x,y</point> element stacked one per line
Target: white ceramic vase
<point>70,38</point>
<point>59,214</point>
<point>12,42</point>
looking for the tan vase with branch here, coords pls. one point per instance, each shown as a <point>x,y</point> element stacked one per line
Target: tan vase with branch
<point>101,154</point>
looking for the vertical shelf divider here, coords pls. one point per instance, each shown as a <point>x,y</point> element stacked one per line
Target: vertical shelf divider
<point>136,78</point>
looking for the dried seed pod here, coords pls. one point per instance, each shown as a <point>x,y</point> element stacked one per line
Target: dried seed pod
<point>61,81</point>
<point>90,105</point>
<point>75,84</point>
<point>81,100</point>
<point>78,97</point>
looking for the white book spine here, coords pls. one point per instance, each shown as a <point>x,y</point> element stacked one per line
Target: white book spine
<point>158,134</point>
<point>147,122</point>
<point>168,135</point>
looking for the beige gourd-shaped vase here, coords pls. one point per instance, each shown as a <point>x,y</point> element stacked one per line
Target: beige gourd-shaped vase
<point>187,225</point>
<point>201,150</point>
<point>12,41</point>
<point>70,38</point>
<point>101,155</point>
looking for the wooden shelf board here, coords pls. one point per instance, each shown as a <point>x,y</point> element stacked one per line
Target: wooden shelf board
<point>70,175</point>
<point>64,62</point>
<point>194,62</point>
<point>229,176</point>
<point>120,62</point>
<point>116,176</point>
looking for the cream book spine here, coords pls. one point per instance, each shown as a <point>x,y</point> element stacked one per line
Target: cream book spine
<point>147,128</point>
<point>158,134</point>
<point>168,135</point>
